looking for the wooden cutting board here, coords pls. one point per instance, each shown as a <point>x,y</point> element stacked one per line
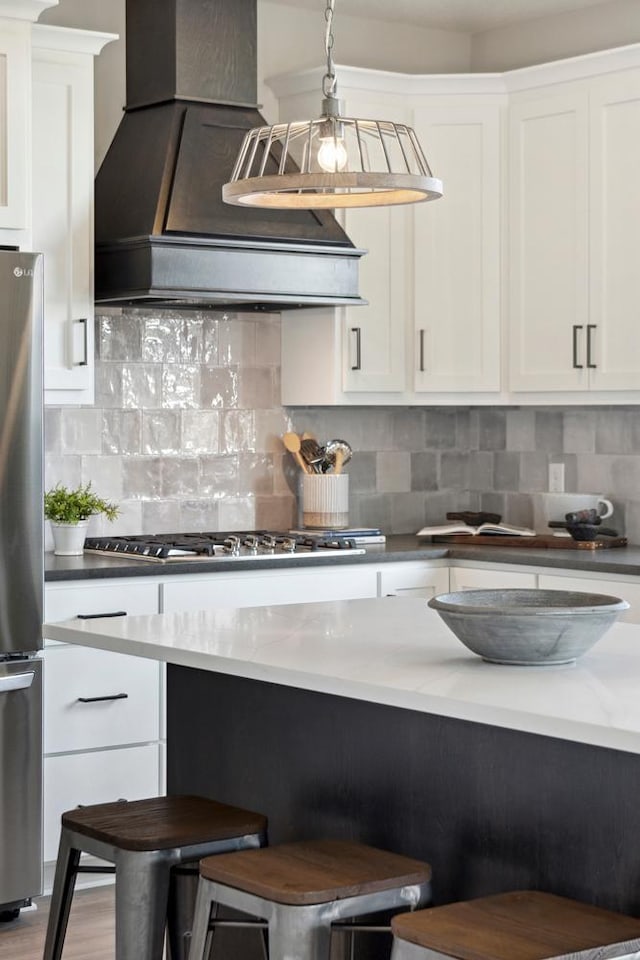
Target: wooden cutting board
<point>542,541</point>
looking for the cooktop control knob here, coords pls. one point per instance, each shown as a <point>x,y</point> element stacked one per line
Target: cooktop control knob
<point>232,545</point>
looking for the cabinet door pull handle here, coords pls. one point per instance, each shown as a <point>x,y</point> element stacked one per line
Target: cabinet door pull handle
<point>95,616</point>
<point>576,365</point>
<point>590,327</point>
<point>358,363</point>
<point>115,696</point>
<point>85,341</point>
<point>422,351</point>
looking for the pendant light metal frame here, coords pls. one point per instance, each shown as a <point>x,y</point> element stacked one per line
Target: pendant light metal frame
<point>267,174</point>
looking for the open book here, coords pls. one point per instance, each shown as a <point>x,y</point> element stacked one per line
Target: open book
<point>453,527</point>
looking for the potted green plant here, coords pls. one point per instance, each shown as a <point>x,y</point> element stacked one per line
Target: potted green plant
<point>69,512</point>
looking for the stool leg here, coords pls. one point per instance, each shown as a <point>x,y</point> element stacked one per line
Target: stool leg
<point>182,898</point>
<point>63,886</point>
<point>299,933</point>
<point>200,935</point>
<point>142,894</point>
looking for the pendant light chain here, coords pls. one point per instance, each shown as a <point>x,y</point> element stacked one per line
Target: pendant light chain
<point>329,80</point>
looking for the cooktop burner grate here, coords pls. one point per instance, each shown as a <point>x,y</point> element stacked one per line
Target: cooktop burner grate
<point>236,545</point>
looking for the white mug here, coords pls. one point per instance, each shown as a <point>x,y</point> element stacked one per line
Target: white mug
<point>554,506</point>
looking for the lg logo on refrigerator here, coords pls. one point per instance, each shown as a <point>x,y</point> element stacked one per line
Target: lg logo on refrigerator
<point>20,272</point>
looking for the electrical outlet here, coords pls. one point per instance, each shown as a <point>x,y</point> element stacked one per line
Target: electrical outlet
<point>556,478</point>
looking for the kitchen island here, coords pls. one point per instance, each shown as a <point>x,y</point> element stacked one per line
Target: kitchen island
<point>367,719</point>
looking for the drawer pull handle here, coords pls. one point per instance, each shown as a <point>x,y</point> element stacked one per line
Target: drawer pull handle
<point>590,327</point>
<point>114,696</point>
<point>95,616</point>
<point>85,343</point>
<point>576,365</point>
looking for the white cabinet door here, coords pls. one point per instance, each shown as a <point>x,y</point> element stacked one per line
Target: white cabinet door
<point>412,580</point>
<point>131,773</point>
<point>548,248</point>
<point>15,125</point>
<point>612,588</point>
<point>374,335</point>
<point>456,249</point>
<point>472,578</point>
<point>62,178</point>
<point>269,587</point>
<point>615,231</point>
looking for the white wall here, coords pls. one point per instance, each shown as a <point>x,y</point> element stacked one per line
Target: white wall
<point>612,24</point>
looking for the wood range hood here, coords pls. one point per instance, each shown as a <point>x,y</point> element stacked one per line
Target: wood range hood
<point>164,237</point>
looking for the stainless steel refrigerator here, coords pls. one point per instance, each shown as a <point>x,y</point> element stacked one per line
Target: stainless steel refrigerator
<point>21,579</point>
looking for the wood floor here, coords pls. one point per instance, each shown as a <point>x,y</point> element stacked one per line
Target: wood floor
<point>90,935</point>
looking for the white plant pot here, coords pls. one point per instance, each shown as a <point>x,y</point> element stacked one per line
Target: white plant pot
<point>68,538</point>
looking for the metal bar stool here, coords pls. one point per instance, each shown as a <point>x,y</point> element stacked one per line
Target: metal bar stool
<point>145,840</point>
<point>519,925</point>
<point>301,889</point>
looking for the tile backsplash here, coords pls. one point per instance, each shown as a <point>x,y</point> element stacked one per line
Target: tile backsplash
<point>186,434</point>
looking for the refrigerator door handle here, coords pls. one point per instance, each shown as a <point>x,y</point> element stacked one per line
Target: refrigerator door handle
<point>19,681</point>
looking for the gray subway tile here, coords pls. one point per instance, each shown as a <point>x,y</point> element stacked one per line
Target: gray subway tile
<point>118,338</point>
<point>218,477</point>
<point>238,432</point>
<point>255,475</point>
<point>256,388</point>
<point>161,516</point>
<point>534,472</point>
<point>440,429</point>
<point>454,470</point>
<point>549,431</point>
<point>275,513</point>
<point>218,387</point>
<point>238,513</point>
<point>81,430</point>
<point>200,432</point>
<point>392,471</point>
<point>521,430</point>
<point>198,515</point>
<point>180,386</point>
<point>141,477</point>
<point>408,429</point>
<point>407,512</point>
<point>506,470</point>
<point>53,430</point>
<point>424,470</point>
<point>121,431</point>
<point>579,431</point>
<point>362,473</point>
<point>180,477</point>
<point>141,385</point>
<point>492,429</point>
<point>480,470</point>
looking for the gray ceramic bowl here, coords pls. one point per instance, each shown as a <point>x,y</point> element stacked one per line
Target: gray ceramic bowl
<point>528,627</point>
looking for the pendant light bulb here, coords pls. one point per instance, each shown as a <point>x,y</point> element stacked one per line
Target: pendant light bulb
<point>332,155</point>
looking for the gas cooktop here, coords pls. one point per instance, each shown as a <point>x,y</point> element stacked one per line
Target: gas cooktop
<point>237,545</point>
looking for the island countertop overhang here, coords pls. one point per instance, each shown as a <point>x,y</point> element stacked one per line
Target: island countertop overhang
<point>393,652</point>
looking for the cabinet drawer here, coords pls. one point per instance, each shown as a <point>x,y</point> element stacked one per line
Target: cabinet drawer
<point>75,672</point>
<point>613,588</point>
<point>65,602</point>
<point>256,589</point>
<point>470,578</point>
<point>100,777</point>
<point>412,580</point>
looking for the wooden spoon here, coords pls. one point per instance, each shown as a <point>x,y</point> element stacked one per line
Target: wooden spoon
<point>292,444</point>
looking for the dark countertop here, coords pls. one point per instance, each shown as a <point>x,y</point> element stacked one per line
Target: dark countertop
<point>623,561</point>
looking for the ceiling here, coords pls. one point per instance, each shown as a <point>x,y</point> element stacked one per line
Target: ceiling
<point>469,16</point>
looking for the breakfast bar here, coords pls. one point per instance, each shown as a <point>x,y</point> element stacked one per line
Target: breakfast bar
<point>368,720</point>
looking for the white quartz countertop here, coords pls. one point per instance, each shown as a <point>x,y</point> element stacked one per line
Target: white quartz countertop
<point>390,651</point>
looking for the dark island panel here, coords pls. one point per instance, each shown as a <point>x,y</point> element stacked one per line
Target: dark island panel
<point>491,809</point>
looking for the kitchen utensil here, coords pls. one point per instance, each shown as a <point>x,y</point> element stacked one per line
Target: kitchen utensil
<point>325,501</point>
<point>583,516</point>
<point>338,453</point>
<point>528,627</point>
<point>292,444</point>
<point>312,453</point>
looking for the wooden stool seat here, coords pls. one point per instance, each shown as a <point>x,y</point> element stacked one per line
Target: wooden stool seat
<point>161,823</point>
<point>520,925</point>
<point>314,872</point>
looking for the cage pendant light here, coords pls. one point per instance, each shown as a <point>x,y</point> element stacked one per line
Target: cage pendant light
<point>333,161</point>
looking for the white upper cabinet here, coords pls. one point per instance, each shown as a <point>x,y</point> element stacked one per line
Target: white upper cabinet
<point>614,193</point>
<point>574,227</point>
<point>62,175</point>
<point>456,248</point>
<point>521,284</point>
<point>431,273</point>
<point>548,240</point>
